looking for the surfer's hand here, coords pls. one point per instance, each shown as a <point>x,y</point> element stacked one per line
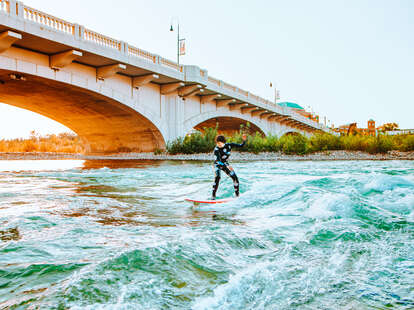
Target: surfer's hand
<point>244,137</point>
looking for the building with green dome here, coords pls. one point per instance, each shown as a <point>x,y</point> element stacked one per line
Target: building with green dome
<point>300,110</point>
<point>292,105</point>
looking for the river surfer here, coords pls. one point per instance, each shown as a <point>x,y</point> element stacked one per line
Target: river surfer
<point>222,154</point>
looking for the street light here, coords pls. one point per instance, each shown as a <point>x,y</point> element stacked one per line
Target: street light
<point>178,39</point>
<point>277,95</point>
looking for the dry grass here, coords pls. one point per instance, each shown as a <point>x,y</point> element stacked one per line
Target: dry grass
<point>61,143</point>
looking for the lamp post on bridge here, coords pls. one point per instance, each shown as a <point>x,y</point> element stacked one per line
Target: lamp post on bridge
<point>277,95</point>
<point>180,42</point>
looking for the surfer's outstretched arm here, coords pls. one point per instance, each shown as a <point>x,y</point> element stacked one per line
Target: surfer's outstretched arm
<point>237,144</point>
<point>244,137</point>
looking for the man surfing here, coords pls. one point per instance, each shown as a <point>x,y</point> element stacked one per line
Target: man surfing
<point>222,154</point>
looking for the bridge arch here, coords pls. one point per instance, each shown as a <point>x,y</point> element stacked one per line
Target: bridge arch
<point>105,122</point>
<point>230,122</point>
<point>291,133</point>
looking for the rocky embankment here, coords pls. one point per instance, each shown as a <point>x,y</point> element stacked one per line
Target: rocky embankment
<point>236,156</point>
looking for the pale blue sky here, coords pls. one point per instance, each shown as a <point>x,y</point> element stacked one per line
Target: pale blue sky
<point>349,60</point>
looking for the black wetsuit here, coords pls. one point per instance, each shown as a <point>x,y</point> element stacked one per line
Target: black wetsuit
<point>222,154</point>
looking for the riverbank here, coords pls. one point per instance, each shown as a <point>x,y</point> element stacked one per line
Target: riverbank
<point>236,156</point>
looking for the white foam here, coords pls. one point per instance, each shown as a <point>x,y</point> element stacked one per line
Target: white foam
<point>328,205</point>
<point>382,183</point>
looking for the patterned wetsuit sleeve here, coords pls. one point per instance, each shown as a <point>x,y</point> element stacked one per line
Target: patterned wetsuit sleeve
<point>237,145</point>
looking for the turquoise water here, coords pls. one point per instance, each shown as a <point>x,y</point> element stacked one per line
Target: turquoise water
<point>118,235</point>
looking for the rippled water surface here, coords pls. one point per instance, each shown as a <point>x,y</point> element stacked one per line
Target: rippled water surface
<point>118,235</point>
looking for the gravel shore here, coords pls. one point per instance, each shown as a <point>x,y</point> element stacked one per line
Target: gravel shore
<point>236,156</point>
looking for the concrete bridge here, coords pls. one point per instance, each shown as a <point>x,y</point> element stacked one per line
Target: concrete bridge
<point>117,97</point>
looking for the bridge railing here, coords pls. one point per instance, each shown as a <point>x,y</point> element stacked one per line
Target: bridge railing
<point>100,39</point>
<point>229,86</point>
<point>5,6</point>
<point>214,81</point>
<point>48,20</point>
<point>137,52</point>
<point>140,53</point>
<point>171,64</point>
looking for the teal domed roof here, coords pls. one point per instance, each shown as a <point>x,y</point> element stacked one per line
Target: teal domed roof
<point>290,105</point>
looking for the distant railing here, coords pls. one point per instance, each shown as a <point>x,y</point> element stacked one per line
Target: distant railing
<point>48,20</point>
<point>262,100</point>
<point>214,81</point>
<point>171,64</point>
<point>254,97</point>
<point>4,6</point>
<point>134,51</point>
<point>243,92</point>
<point>102,40</point>
<point>137,52</point>
<point>229,86</point>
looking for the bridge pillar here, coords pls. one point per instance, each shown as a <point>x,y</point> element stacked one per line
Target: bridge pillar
<point>124,47</point>
<point>19,9</point>
<point>79,31</point>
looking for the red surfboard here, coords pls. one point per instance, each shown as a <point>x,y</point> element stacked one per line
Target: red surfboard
<point>197,202</point>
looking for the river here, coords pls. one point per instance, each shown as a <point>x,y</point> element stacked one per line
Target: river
<point>78,234</point>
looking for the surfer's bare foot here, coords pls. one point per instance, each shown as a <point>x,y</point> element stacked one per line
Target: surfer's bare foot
<point>213,198</point>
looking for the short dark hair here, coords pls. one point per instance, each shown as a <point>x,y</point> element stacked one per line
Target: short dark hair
<point>221,139</point>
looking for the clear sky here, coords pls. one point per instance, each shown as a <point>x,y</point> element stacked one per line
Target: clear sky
<point>349,60</point>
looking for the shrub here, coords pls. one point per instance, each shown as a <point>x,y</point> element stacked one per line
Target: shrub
<point>272,144</point>
<point>324,142</point>
<point>66,142</point>
<point>256,143</point>
<point>356,143</point>
<point>194,143</point>
<point>29,146</point>
<point>176,146</point>
<point>294,144</point>
<point>408,143</point>
<point>383,144</point>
